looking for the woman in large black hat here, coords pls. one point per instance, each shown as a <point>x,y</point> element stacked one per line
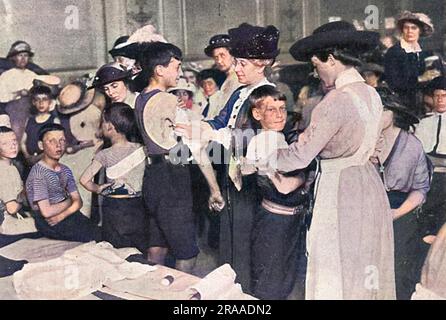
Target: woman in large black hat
<point>254,49</point>
<point>350,238</point>
<point>219,49</point>
<point>405,171</point>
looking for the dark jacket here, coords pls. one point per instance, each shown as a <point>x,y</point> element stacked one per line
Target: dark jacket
<point>6,64</point>
<point>402,71</point>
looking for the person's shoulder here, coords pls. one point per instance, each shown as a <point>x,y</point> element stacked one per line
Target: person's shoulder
<point>165,98</point>
<point>103,153</point>
<point>335,96</point>
<point>66,169</point>
<point>7,169</point>
<point>136,145</point>
<point>394,51</point>
<point>336,102</point>
<point>37,171</point>
<point>416,144</point>
<point>426,120</point>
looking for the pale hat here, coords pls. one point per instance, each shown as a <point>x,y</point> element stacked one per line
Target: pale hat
<point>183,85</point>
<point>75,97</point>
<point>420,19</point>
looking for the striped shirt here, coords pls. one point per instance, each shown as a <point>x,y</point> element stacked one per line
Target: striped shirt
<point>44,183</point>
<point>113,155</point>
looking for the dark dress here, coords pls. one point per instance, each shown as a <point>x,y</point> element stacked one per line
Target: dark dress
<point>402,70</point>
<point>32,133</point>
<point>237,218</point>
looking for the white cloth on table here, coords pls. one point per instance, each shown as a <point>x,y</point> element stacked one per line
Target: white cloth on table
<point>78,273</point>
<point>219,285</point>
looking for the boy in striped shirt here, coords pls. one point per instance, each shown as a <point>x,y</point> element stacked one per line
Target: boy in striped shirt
<point>53,194</point>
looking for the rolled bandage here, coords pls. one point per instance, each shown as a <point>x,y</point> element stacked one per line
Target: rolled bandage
<point>167,280</point>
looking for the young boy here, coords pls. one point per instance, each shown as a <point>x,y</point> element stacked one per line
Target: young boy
<point>53,194</point>
<point>41,115</point>
<point>279,228</point>
<point>167,188</point>
<point>11,186</point>
<point>124,221</point>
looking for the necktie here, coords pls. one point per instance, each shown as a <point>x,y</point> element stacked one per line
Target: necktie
<point>438,135</point>
<point>206,109</point>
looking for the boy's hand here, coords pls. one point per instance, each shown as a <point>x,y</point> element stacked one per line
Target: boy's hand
<point>103,187</point>
<point>54,221</point>
<point>429,239</point>
<point>181,104</point>
<point>216,202</point>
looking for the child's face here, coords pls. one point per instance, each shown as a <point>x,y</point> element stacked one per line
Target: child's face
<point>183,95</point>
<point>209,87</point>
<point>271,114</point>
<point>171,73</point>
<point>9,148</point>
<point>42,103</point>
<point>106,129</point>
<point>53,144</point>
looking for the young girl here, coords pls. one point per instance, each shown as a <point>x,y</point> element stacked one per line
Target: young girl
<point>41,115</point>
<point>125,223</point>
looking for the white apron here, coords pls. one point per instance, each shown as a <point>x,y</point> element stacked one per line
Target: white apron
<point>324,273</point>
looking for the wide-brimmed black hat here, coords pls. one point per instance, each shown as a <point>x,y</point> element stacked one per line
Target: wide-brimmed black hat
<point>339,34</point>
<point>218,41</point>
<point>392,101</point>
<point>119,43</point>
<point>110,73</point>
<point>125,49</point>
<point>252,42</point>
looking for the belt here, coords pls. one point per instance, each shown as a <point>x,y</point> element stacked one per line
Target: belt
<point>137,195</point>
<point>439,170</point>
<point>282,210</point>
<point>157,159</point>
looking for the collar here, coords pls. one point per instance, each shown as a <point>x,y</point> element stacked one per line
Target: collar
<point>409,48</point>
<point>347,77</point>
<point>436,114</point>
<point>249,89</point>
<point>6,162</point>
